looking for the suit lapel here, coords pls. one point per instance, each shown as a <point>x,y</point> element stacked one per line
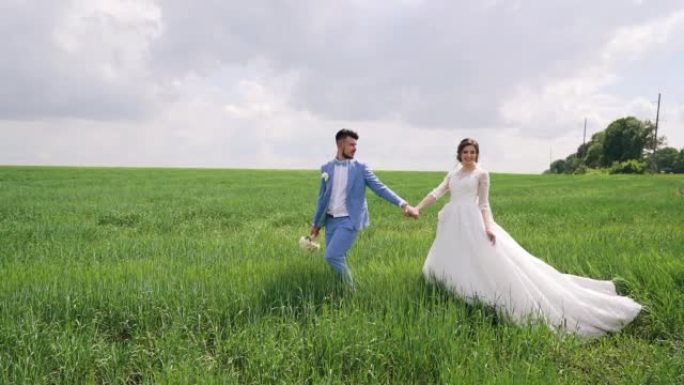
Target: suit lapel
<point>351,170</point>
<point>331,174</point>
<point>330,169</point>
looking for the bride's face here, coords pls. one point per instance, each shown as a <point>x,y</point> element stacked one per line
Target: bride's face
<point>469,156</point>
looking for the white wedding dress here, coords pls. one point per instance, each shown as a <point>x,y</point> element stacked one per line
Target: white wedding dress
<point>505,275</point>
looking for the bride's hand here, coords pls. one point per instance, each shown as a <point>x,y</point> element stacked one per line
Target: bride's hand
<point>491,236</point>
<point>411,211</point>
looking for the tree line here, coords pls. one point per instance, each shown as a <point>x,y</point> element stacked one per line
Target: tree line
<point>626,146</point>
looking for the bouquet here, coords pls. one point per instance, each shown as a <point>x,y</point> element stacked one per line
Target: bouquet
<point>307,243</point>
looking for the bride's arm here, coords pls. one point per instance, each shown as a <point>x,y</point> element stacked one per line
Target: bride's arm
<point>427,201</point>
<point>483,202</point>
<point>433,195</point>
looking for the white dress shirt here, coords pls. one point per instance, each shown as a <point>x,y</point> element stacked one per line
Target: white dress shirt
<point>337,207</point>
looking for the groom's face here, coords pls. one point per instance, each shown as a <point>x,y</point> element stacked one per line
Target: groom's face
<point>347,147</point>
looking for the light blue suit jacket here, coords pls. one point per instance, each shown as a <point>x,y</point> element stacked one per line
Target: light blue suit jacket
<point>360,176</point>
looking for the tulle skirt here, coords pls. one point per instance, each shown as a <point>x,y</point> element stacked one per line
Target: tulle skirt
<point>517,283</point>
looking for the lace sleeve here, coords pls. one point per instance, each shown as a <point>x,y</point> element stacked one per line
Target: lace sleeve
<point>483,198</point>
<point>442,188</point>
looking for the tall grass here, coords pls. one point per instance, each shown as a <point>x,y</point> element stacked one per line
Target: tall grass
<point>138,276</point>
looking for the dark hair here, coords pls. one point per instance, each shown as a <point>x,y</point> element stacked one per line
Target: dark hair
<point>468,142</point>
<point>345,132</point>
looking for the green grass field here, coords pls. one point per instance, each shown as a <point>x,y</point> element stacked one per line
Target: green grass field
<point>139,276</point>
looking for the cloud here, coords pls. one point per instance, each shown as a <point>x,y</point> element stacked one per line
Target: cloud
<point>77,59</point>
<point>547,106</point>
<point>429,64</point>
<point>266,84</point>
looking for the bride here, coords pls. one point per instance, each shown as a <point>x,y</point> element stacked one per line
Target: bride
<point>479,260</point>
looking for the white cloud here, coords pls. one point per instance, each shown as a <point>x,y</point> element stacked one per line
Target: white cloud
<point>266,84</point>
<point>77,59</point>
<point>632,42</point>
<point>551,106</point>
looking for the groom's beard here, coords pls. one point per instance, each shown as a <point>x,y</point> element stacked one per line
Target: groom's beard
<point>347,156</point>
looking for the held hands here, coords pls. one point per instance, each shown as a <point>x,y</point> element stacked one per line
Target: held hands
<point>410,211</point>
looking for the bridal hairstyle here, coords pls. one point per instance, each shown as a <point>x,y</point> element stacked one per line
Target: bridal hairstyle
<point>345,132</point>
<point>468,142</point>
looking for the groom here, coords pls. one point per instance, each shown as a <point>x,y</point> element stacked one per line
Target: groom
<point>342,206</point>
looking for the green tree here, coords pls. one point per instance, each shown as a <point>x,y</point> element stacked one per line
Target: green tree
<point>662,140</point>
<point>626,139</point>
<point>590,154</point>
<point>582,150</point>
<point>665,158</point>
<point>594,155</point>
<point>678,166</point>
<point>630,166</point>
<point>614,148</point>
<point>558,166</point>
<point>572,163</point>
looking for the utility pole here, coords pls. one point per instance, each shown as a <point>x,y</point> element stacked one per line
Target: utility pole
<point>655,137</point>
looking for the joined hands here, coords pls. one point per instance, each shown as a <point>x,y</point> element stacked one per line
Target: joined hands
<point>410,211</point>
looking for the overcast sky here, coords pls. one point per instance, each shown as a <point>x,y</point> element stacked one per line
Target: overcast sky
<point>266,84</point>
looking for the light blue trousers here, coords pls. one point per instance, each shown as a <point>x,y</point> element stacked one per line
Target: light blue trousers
<point>339,238</point>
